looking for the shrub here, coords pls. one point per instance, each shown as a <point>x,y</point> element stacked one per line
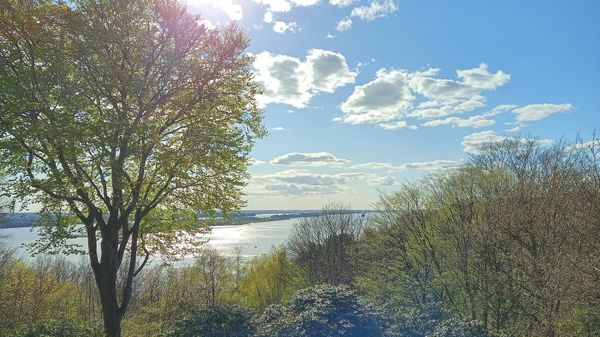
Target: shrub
<point>320,311</point>
<point>56,328</point>
<point>218,321</point>
<point>459,328</point>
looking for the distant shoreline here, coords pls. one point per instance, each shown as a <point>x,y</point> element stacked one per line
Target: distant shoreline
<point>19,220</point>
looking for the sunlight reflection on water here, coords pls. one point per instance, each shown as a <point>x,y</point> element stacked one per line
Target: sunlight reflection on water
<point>251,239</point>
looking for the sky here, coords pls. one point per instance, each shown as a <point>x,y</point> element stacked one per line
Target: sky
<point>361,96</point>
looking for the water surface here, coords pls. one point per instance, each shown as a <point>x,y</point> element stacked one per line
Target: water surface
<point>251,239</point>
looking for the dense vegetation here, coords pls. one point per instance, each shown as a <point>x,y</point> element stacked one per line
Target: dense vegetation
<point>505,245</point>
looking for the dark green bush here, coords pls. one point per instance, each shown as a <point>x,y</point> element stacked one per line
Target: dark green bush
<point>218,321</point>
<point>320,311</point>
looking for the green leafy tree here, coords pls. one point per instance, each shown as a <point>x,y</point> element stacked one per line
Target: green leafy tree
<point>269,279</point>
<point>325,245</point>
<point>128,117</point>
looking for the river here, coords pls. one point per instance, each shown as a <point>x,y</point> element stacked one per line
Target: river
<point>252,239</point>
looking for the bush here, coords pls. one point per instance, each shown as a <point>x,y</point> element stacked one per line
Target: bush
<point>218,321</point>
<point>56,328</point>
<point>414,323</point>
<point>459,328</point>
<point>320,311</point>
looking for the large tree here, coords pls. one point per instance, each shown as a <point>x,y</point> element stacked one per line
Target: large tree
<point>128,117</point>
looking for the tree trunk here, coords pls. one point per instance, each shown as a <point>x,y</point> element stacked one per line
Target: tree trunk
<point>110,310</point>
<point>107,286</point>
<point>112,320</point>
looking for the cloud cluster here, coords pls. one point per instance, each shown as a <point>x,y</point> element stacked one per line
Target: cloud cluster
<point>431,166</point>
<point>341,3</point>
<point>395,95</point>
<point>301,182</point>
<point>327,159</point>
<point>376,9</point>
<point>474,142</point>
<point>277,6</point>
<point>282,27</point>
<point>535,112</point>
<point>478,121</point>
<point>309,159</point>
<point>282,6</point>
<point>289,80</point>
<point>343,25</point>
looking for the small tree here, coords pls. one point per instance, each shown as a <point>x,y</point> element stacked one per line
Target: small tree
<point>324,245</point>
<point>128,117</point>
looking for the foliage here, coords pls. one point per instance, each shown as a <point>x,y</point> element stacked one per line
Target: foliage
<point>269,279</point>
<point>324,246</point>
<point>407,322</point>
<point>323,310</point>
<point>459,328</point>
<point>165,294</point>
<point>56,328</point>
<point>505,240</point>
<point>128,117</point>
<point>216,321</point>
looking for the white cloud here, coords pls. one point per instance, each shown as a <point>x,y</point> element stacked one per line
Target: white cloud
<point>301,182</point>
<point>374,166</point>
<point>233,11</point>
<point>592,144</point>
<point>482,79</point>
<point>276,5</point>
<point>535,112</point>
<point>474,121</point>
<point>376,9</point>
<point>255,162</point>
<point>499,109</point>
<point>443,96</point>
<point>288,80</point>
<point>279,128</point>
<point>474,142</point>
<point>397,94</point>
<point>388,97</point>
<point>341,3</point>
<point>283,79</point>
<point>434,165</point>
<point>282,27</point>
<point>305,3</point>
<point>268,17</point>
<point>343,25</point>
<point>329,70</point>
<point>330,36</point>
<point>396,125</point>
<point>281,6</point>
<point>309,159</point>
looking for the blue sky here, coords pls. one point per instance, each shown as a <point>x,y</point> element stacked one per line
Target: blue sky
<point>360,96</point>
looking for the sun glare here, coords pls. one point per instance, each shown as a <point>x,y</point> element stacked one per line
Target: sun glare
<point>232,11</point>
